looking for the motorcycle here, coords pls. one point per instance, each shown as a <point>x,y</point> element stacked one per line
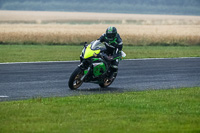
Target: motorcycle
<point>94,66</point>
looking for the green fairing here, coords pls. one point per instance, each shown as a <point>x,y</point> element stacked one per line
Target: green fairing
<point>99,69</point>
<point>95,59</point>
<point>85,72</point>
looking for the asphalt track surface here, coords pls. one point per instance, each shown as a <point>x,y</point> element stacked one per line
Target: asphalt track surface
<point>50,79</point>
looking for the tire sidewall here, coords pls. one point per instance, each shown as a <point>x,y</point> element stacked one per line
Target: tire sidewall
<point>72,78</point>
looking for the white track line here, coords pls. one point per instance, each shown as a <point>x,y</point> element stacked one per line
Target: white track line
<point>39,62</point>
<point>78,60</point>
<point>166,58</point>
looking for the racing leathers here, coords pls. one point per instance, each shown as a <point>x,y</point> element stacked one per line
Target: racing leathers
<point>113,49</point>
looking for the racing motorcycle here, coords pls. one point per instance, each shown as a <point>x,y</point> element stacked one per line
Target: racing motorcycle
<point>94,66</point>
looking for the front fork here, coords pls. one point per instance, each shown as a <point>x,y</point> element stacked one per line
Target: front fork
<point>86,73</point>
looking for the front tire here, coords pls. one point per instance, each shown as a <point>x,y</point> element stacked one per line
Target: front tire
<point>75,79</point>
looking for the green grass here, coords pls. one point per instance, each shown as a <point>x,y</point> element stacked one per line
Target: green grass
<point>172,110</point>
<point>161,51</point>
<point>31,53</point>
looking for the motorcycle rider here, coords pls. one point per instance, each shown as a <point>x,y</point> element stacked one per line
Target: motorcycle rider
<point>114,45</point>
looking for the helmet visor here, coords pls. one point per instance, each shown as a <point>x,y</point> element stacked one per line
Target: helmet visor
<point>111,36</point>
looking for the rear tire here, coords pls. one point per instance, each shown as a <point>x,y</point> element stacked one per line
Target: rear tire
<point>107,82</point>
<point>75,79</point>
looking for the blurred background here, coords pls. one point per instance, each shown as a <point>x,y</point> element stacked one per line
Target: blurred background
<point>157,23</point>
<point>172,7</point>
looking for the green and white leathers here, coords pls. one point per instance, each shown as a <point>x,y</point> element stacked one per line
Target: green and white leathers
<point>94,66</point>
<point>113,41</point>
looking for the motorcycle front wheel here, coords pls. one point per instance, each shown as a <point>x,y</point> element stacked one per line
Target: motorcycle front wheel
<point>75,79</point>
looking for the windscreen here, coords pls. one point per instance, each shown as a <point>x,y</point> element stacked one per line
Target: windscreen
<point>97,45</point>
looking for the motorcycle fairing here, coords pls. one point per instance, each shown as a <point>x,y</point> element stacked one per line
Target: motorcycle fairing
<point>99,69</point>
<point>89,52</point>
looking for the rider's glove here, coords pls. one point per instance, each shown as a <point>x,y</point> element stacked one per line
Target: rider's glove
<point>117,55</point>
<point>109,58</point>
<point>106,57</point>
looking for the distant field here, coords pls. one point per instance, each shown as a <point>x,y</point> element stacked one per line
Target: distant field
<point>75,34</point>
<point>26,27</point>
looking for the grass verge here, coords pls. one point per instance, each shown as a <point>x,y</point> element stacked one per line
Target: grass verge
<point>172,110</point>
<point>31,53</point>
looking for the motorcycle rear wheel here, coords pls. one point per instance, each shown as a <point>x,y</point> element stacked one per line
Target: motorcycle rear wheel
<point>107,82</point>
<point>75,79</point>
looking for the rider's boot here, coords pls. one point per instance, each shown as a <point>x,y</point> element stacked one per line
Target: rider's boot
<point>112,74</point>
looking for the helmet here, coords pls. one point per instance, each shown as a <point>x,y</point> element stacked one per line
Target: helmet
<point>111,33</point>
